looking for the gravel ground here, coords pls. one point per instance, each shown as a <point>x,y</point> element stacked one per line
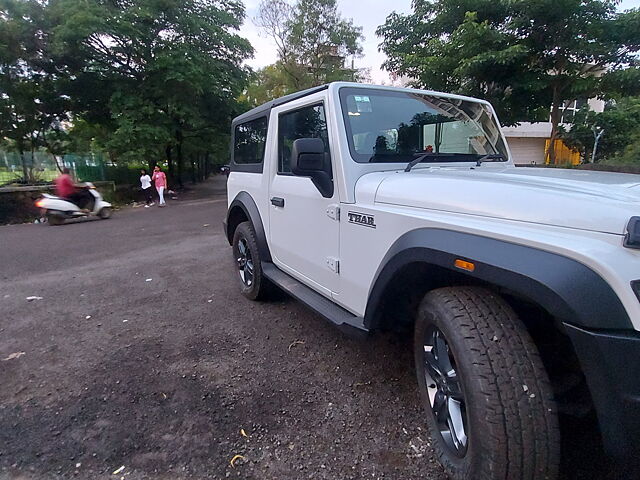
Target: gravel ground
<point>142,354</point>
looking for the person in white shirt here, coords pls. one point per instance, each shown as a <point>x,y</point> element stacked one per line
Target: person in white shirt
<point>145,183</point>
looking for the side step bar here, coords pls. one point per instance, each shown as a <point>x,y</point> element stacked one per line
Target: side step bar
<point>345,321</point>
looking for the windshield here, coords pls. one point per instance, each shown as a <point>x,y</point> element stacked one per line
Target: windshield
<point>388,126</point>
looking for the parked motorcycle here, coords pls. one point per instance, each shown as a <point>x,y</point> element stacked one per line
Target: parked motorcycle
<point>58,209</point>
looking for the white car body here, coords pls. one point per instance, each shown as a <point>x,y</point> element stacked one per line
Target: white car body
<point>581,214</point>
<point>554,236</point>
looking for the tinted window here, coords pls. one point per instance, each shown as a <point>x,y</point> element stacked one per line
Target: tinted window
<point>249,141</point>
<point>308,122</point>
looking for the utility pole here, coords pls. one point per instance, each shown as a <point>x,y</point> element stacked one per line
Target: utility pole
<point>597,133</point>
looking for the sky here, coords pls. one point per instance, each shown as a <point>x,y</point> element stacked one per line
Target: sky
<point>368,14</point>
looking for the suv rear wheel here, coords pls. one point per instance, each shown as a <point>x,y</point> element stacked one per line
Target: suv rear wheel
<point>247,257</point>
<point>489,404</point>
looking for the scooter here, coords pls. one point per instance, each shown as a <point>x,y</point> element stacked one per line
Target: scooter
<point>58,209</point>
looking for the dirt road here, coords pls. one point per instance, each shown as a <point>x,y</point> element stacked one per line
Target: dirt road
<point>141,353</point>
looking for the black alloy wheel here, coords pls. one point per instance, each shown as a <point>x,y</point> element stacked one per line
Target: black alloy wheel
<point>245,262</point>
<point>247,259</point>
<point>445,391</point>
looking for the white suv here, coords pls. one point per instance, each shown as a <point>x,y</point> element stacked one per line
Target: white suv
<point>384,207</point>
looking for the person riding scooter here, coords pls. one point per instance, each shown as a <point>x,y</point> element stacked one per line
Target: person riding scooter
<point>72,201</point>
<point>65,188</point>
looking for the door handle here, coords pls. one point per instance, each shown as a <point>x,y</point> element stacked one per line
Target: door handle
<point>277,201</point>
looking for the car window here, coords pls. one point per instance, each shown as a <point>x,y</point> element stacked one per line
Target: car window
<point>307,122</point>
<point>249,141</point>
<point>398,126</point>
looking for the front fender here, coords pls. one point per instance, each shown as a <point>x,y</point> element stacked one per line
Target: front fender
<point>566,288</point>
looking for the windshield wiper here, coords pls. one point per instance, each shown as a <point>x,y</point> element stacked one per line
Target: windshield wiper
<point>491,157</point>
<point>417,160</point>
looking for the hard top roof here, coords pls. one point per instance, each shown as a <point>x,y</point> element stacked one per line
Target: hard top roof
<point>265,107</point>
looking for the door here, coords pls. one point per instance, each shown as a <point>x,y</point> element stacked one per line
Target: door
<point>304,226</point>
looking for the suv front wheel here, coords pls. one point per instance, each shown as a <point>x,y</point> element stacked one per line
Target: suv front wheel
<point>247,258</point>
<point>488,401</point>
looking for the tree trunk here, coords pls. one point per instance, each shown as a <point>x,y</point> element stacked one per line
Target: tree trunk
<point>193,170</point>
<point>206,165</point>
<point>180,159</point>
<point>556,114</point>
<point>33,163</point>
<point>168,152</point>
<point>55,159</point>
<point>25,173</point>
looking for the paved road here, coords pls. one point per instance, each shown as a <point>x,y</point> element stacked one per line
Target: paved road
<point>143,354</point>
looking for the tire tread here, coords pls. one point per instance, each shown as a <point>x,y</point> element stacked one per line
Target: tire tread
<point>261,288</point>
<point>526,442</point>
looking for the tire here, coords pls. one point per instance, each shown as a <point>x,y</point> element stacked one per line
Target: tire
<point>496,388</point>
<point>253,284</point>
<point>54,220</point>
<point>105,212</point>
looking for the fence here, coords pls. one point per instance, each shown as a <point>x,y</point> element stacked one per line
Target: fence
<point>564,154</point>
<point>42,167</point>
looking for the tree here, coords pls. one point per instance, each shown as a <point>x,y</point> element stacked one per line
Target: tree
<point>274,18</point>
<point>313,42</point>
<point>620,122</point>
<point>32,105</point>
<point>157,73</point>
<point>266,84</point>
<point>523,56</point>
<point>322,40</point>
<point>621,82</point>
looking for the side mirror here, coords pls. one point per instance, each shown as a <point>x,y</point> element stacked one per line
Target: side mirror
<point>307,156</point>
<point>308,160</point>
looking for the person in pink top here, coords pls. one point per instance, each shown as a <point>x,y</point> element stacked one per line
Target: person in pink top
<point>64,184</point>
<point>160,181</point>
